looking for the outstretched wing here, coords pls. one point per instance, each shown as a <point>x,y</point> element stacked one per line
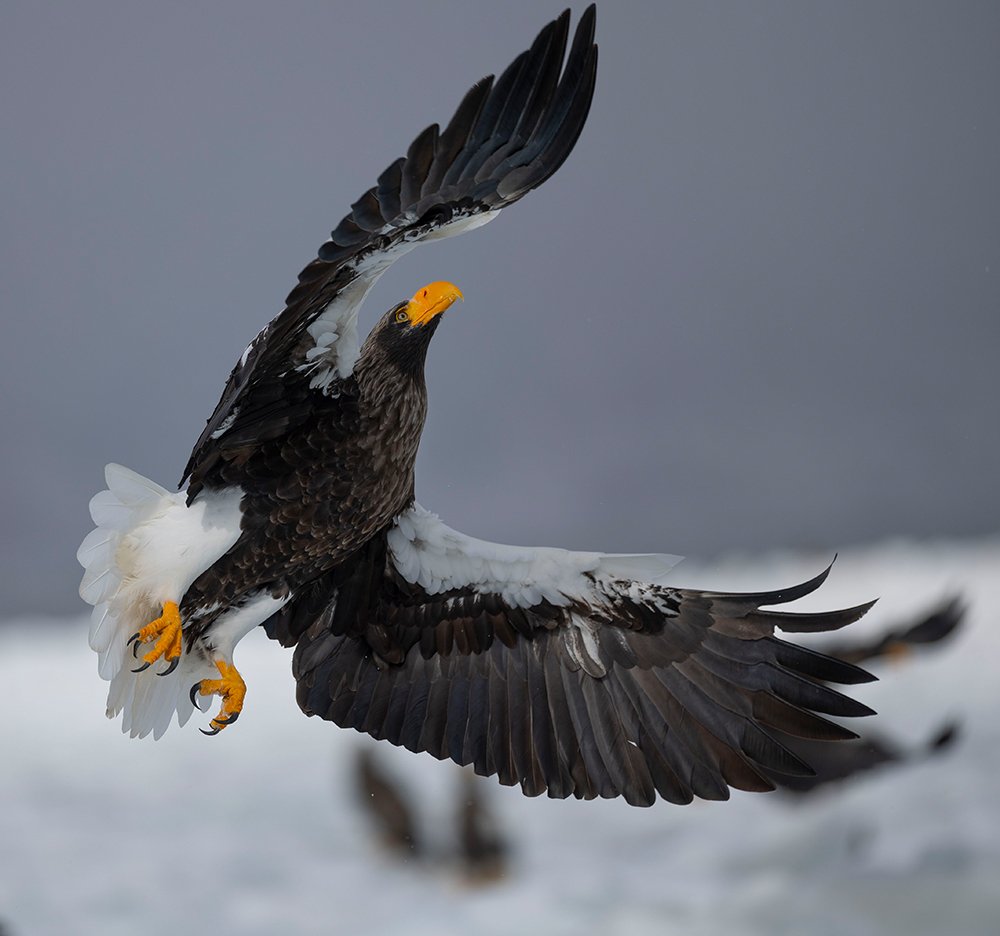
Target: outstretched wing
<point>574,674</point>
<point>506,138</point>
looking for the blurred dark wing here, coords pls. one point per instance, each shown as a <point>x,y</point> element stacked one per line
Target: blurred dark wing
<point>560,671</point>
<point>506,138</point>
<point>834,762</point>
<point>898,642</point>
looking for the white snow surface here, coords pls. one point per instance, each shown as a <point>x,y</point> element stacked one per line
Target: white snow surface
<point>256,831</point>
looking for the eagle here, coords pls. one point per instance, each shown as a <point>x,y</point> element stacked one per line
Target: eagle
<point>578,674</point>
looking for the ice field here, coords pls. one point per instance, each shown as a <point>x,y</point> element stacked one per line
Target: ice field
<point>257,830</point>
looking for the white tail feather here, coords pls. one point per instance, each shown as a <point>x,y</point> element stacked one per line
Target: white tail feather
<point>148,702</point>
<point>148,547</point>
<point>95,548</point>
<point>132,488</point>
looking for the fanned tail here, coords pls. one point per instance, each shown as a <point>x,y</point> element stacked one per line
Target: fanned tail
<point>126,582</point>
<point>130,501</point>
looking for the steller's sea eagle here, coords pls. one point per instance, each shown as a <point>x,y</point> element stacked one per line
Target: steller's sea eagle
<point>570,673</point>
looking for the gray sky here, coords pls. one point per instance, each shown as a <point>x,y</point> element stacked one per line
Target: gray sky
<point>759,306</point>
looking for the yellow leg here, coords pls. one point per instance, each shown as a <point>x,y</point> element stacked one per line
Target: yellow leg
<point>230,688</point>
<point>166,631</point>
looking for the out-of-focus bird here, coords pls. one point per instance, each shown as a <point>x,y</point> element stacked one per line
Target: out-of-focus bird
<point>904,639</point>
<point>387,806</point>
<point>483,850</point>
<point>835,762</point>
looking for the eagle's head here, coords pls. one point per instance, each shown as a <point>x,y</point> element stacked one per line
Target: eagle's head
<point>404,332</point>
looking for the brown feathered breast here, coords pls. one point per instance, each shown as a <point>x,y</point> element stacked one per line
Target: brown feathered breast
<point>315,494</point>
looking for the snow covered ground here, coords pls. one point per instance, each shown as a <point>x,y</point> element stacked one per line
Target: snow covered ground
<point>256,832</point>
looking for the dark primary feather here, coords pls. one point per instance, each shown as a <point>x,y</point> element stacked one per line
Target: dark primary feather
<point>832,763</point>
<point>506,138</point>
<point>683,703</point>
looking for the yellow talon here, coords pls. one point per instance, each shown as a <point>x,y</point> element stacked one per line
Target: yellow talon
<point>231,688</point>
<point>166,631</point>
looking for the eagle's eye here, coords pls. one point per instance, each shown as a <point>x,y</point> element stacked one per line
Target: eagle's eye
<point>402,316</point>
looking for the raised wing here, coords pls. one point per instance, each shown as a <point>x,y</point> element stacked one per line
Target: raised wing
<point>574,674</point>
<point>506,138</point>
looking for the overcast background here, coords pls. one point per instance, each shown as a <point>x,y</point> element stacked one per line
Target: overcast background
<point>759,306</point>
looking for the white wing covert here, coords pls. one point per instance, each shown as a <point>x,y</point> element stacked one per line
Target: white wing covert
<point>439,559</point>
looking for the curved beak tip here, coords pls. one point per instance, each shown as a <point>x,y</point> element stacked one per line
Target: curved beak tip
<point>432,300</point>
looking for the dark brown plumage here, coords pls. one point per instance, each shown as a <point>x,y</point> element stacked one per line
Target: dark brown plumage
<point>323,472</point>
<point>569,673</point>
<point>835,762</point>
<point>677,703</point>
<point>316,493</point>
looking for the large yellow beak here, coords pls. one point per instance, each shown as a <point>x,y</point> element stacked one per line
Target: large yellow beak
<point>431,301</point>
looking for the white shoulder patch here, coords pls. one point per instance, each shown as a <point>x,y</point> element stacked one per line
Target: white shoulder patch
<point>336,343</point>
<point>334,332</point>
<point>428,553</point>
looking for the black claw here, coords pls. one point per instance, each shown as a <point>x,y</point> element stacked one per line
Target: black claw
<point>210,733</point>
<point>133,642</point>
<point>171,667</point>
<point>194,692</point>
<point>144,666</point>
<point>228,720</point>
